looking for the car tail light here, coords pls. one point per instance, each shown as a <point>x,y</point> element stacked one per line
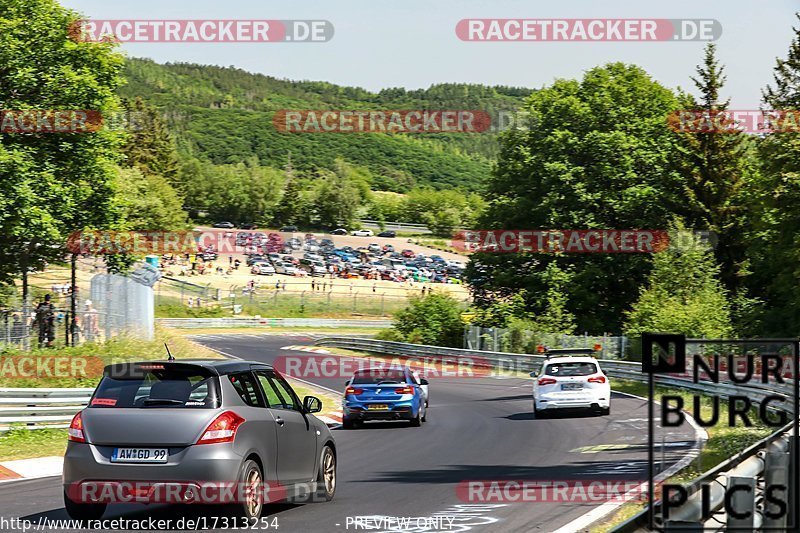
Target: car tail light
<point>546,381</point>
<point>404,390</point>
<point>221,429</point>
<point>75,430</point>
<point>353,390</point>
<point>597,379</point>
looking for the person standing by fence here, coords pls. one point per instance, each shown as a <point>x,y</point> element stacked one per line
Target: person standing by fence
<point>90,322</point>
<point>17,329</point>
<point>45,321</point>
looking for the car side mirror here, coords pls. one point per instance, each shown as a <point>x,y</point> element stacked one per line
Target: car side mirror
<point>423,381</point>
<point>533,374</point>
<point>312,404</point>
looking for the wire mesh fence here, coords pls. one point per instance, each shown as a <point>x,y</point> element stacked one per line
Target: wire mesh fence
<point>284,297</point>
<point>26,328</point>
<point>526,341</point>
<point>99,306</point>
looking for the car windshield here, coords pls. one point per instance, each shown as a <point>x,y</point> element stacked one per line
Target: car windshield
<point>376,377</point>
<point>157,385</point>
<point>571,369</point>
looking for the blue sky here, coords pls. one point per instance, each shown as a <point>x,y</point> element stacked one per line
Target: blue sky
<point>382,43</point>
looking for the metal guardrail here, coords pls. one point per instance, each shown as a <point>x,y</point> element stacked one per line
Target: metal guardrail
<point>752,463</point>
<point>193,323</point>
<point>29,408</point>
<point>395,226</point>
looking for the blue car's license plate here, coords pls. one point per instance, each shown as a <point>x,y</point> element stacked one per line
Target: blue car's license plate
<point>377,407</point>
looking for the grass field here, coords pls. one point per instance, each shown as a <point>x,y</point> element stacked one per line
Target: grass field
<point>84,363</point>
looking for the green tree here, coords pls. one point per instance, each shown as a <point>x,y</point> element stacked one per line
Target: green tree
<point>775,247</point>
<point>717,167</point>
<point>52,184</point>
<point>683,295</point>
<point>339,196</point>
<point>149,145</point>
<point>434,319</point>
<point>149,202</point>
<point>291,208</point>
<point>597,154</point>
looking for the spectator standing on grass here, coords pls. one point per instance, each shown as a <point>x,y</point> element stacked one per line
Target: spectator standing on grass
<point>90,322</point>
<point>277,284</point>
<point>324,286</point>
<point>45,321</point>
<point>374,287</point>
<point>17,329</point>
<point>313,284</point>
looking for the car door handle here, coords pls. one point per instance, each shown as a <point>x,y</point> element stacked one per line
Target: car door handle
<point>280,421</point>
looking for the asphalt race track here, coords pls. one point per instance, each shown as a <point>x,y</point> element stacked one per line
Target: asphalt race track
<point>477,429</point>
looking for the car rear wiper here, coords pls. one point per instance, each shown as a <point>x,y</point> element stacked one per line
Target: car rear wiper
<point>162,401</point>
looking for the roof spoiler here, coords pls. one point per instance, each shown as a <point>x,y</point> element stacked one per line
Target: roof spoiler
<point>568,351</point>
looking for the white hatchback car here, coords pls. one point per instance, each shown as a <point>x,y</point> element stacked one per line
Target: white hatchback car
<point>571,382</point>
<point>362,233</point>
<point>262,268</point>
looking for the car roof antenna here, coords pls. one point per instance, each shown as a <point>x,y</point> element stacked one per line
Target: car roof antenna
<point>169,355</point>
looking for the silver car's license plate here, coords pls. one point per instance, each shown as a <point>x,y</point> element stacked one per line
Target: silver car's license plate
<point>140,455</point>
<point>571,386</point>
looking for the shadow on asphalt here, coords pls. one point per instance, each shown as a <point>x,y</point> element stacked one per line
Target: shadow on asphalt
<point>635,470</point>
<point>506,398</point>
<point>562,413</point>
<point>399,424</point>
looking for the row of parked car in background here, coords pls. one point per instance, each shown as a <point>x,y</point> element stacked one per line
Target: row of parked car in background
<point>270,254</point>
<point>293,229</point>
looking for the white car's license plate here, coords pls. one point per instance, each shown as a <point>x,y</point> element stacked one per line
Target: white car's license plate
<point>571,386</point>
<point>140,455</point>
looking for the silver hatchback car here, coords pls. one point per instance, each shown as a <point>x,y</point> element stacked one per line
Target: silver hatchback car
<point>197,432</point>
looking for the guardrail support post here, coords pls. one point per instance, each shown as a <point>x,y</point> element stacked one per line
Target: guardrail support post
<point>742,502</point>
<point>776,472</point>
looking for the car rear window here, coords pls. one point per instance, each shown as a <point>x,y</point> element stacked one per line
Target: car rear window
<point>150,386</point>
<point>374,377</point>
<point>571,369</point>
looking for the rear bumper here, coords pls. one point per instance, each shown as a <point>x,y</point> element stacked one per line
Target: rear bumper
<point>576,401</point>
<point>212,463</point>
<point>396,411</point>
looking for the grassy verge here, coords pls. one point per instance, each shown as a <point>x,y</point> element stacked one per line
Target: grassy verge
<point>27,444</point>
<point>289,306</point>
<point>722,443</point>
<point>84,363</point>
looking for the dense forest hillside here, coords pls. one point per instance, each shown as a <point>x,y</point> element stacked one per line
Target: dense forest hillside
<point>224,116</point>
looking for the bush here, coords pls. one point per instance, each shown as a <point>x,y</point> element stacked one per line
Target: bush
<point>432,319</point>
